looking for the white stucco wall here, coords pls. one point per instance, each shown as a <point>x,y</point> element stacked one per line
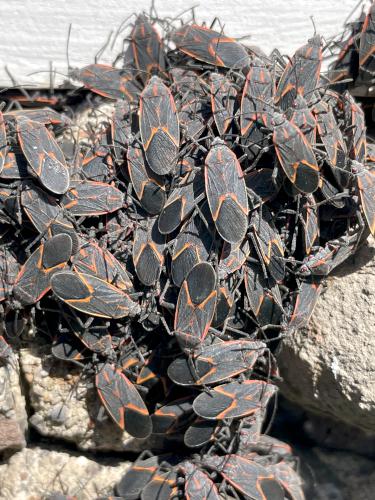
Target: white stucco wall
<point>34,32</point>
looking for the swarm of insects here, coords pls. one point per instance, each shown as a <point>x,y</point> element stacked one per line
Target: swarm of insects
<point>354,64</point>
<point>169,257</point>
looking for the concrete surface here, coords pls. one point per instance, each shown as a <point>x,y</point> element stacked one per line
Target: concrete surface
<point>34,33</point>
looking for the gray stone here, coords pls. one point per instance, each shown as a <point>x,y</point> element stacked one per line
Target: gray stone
<point>65,405</point>
<point>13,416</point>
<point>337,475</point>
<point>329,366</point>
<point>34,473</point>
<point>11,436</point>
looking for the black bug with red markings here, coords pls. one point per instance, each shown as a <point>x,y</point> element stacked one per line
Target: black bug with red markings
<point>165,249</point>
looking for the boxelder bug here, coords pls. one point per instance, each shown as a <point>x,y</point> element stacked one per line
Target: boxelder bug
<point>34,278</point>
<point>216,363</point>
<point>246,476</point>
<point>148,186</point>
<point>295,155</point>
<point>9,269</point>
<point>223,99</point>
<point>234,400</point>
<point>138,476</point>
<point>226,192</point>
<point>162,486</point>
<point>45,214</point>
<point>148,52</point>
<point>366,43</point>
<point>108,81</point>
<point>92,259</point>
<point>288,478</point>
<point>91,295</point>
<point>3,142</point>
<point>44,156</point>
<point>122,401</point>
<point>263,296</point>
<point>181,202</point>
<point>198,485</point>
<point>333,141</point>
<point>267,243</point>
<point>159,126</point>
<point>305,303</point>
<point>195,306</point>
<point>148,252</point>
<point>170,418</point>
<point>258,92</point>
<point>92,198</point>
<point>301,116</point>
<point>365,179</point>
<point>356,128</point>
<point>210,46</point>
<point>301,74</point>
<point>192,246</point>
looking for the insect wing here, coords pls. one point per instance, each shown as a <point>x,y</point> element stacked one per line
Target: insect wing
<point>356,135</point>
<point>200,432</point>
<point>41,208</point>
<point>33,280</point>
<point>3,142</point>
<point>366,186</point>
<point>161,487</point>
<point>246,476</point>
<point>44,156</point>
<point>169,419</point>
<point>333,141</point>
<point>216,363</point>
<point>295,155</point>
<point>301,74</point>
<point>311,224</point>
<point>269,244</point>
<point>137,477</point>
<point>159,126</point>
<point>305,303</point>
<point>232,258</point>
<point>109,82</point>
<point>234,400</point>
<point>223,99</point>
<point>260,187</point>
<point>123,402</point>
<point>148,252</point>
<point>226,193</point>
<point>302,117</point>
<point>264,300</point>
<point>91,295</point>
<point>192,246</point>
<point>92,259</point>
<point>257,93</point>
<point>210,46</point>
<point>195,305</point>
<point>198,485</point>
<point>180,203</point>
<point>288,478</point>
<point>147,48</point>
<point>148,186</point>
<point>92,198</point>
<point>15,166</point>
<point>366,44</point>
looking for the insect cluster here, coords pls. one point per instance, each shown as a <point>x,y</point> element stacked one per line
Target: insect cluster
<point>169,257</point>
<point>355,62</point>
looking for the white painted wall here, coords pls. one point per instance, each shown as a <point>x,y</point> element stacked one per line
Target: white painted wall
<point>34,32</point>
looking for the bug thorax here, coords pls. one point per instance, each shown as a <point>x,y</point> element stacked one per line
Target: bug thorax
<point>217,142</point>
<point>278,119</point>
